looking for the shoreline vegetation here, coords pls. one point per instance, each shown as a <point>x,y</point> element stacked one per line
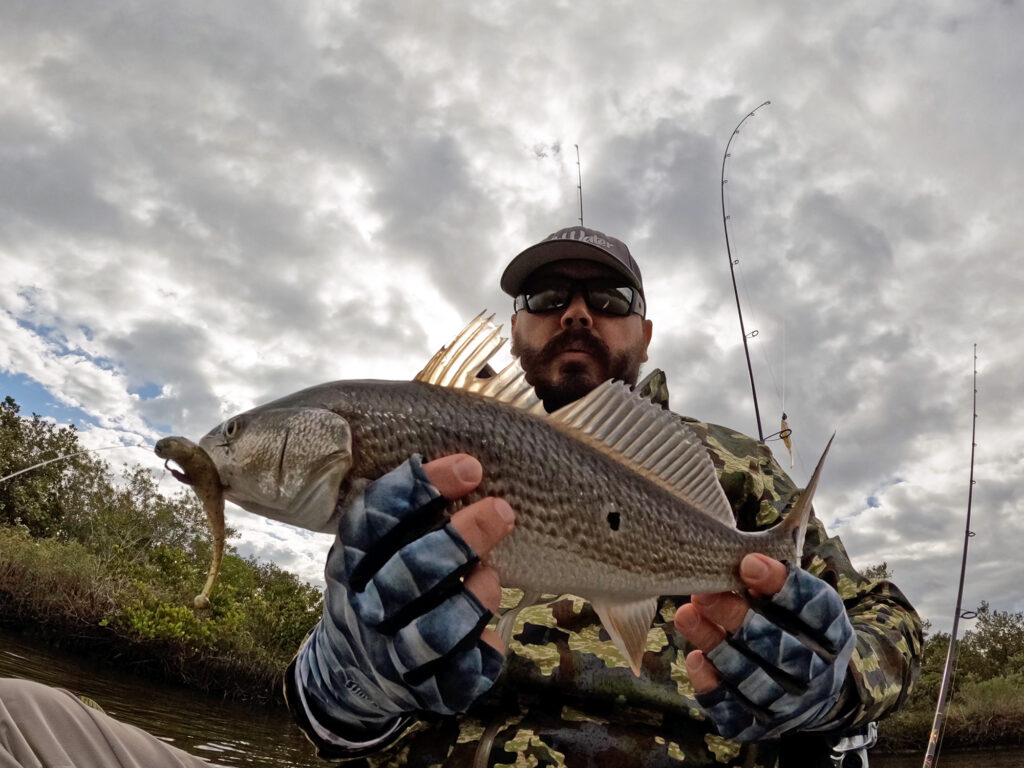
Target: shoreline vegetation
<point>105,566</point>
<point>986,707</point>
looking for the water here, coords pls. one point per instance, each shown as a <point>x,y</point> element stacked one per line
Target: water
<point>223,732</point>
<point>230,734</point>
<point>1008,758</point>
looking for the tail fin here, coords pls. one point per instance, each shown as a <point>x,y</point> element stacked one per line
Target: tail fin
<point>795,524</point>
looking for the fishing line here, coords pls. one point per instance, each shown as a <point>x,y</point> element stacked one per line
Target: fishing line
<point>745,286</point>
<point>785,431</point>
<point>756,333</point>
<point>779,391</point>
<point>69,456</point>
<point>782,397</point>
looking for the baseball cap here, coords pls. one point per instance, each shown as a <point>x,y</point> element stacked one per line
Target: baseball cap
<point>572,243</point>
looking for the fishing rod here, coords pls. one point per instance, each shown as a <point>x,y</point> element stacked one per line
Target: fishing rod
<point>732,271</point>
<point>579,181</point>
<point>939,722</point>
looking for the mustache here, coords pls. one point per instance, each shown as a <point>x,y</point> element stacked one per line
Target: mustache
<point>575,338</point>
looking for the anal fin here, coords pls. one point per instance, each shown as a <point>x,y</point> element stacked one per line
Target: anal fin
<point>628,624</point>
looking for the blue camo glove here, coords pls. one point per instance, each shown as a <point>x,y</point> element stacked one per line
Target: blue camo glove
<point>400,633</point>
<point>784,668</point>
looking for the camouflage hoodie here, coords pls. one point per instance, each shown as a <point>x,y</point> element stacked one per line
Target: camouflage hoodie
<point>568,698</point>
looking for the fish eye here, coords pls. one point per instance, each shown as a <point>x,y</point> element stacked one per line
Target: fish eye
<point>232,428</point>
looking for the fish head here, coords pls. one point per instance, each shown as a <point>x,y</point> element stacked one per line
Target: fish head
<point>285,463</point>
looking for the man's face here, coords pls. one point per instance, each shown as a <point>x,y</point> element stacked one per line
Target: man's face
<point>569,351</point>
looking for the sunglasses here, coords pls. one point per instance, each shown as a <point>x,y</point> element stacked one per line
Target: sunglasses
<point>600,295</point>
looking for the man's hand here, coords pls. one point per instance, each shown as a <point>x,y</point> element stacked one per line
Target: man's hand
<point>482,525</point>
<point>407,602</point>
<point>773,663</point>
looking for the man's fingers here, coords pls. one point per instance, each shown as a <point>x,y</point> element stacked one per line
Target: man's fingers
<point>702,674</point>
<point>698,630</point>
<point>454,476</point>
<point>726,609</point>
<point>484,523</point>
<point>493,639</point>
<point>763,575</point>
<point>483,582</point>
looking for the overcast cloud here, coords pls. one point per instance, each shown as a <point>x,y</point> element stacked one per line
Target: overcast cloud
<point>207,205</point>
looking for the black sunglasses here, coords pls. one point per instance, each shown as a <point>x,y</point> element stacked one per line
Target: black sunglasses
<point>600,295</point>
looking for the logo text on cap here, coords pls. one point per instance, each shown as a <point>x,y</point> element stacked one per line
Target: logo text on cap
<point>583,236</point>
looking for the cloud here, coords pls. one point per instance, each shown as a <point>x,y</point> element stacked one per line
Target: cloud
<point>202,209</point>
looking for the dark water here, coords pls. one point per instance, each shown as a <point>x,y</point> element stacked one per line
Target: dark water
<point>948,759</point>
<point>223,732</point>
<point>229,734</point>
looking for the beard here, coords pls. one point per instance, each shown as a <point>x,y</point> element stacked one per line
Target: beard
<point>559,385</point>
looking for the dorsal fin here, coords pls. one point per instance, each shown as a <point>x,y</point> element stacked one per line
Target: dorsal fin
<point>612,419</point>
<point>458,364</point>
<point>651,441</point>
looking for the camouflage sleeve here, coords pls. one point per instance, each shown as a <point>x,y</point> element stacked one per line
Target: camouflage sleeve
<point>886,661</point>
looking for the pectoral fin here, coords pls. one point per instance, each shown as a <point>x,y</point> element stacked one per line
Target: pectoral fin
<point>628,624</point>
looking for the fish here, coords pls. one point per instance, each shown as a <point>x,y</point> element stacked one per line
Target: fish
<point>617,501</point>
<point>200,472</point>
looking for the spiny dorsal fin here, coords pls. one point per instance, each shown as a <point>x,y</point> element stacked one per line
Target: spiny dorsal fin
<point>612,419</point>
<point>651,441</point>
<point>457,365</point>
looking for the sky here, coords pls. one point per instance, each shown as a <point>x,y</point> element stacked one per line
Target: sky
<point>204,206</point>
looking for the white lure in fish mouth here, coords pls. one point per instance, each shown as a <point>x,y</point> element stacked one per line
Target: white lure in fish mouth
<point>283,463</point>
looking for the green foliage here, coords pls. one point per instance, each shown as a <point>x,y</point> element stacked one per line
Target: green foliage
<point>53,583</point>
<point>112,561</point>
<point>986,706</point>
<point>995,647</point>
<point>878,571</point>
<point>40,499</point>
<point>156,620</point>
<point>984,713</point>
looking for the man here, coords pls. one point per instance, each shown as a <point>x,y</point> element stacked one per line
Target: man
<point>404,671</point>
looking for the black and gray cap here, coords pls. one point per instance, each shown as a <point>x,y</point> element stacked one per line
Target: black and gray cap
<point>572,243</point>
